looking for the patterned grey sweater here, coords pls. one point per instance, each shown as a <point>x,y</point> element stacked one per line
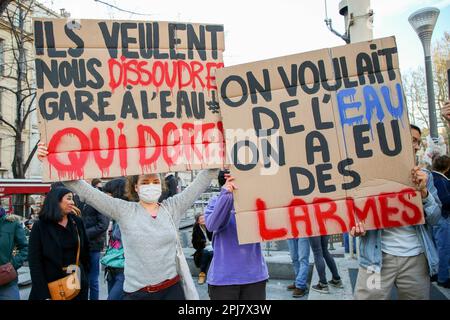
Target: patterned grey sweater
<point>149,243</point>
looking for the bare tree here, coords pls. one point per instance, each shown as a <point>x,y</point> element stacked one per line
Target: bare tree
<point>441,53</point>
<point>18,73</point>
<point>415,86</point>
<point>3,5</point>
<point>416,96</point>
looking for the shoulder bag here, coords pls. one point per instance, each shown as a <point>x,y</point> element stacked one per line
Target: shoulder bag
<point>68,287</point>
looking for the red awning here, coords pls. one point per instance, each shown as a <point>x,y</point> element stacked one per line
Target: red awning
<point>23,189</point>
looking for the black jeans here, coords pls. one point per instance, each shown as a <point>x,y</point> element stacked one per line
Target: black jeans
<point>174,292</point>
<point>207,256</point>
<point>251,291</point>
<point>319,246</point>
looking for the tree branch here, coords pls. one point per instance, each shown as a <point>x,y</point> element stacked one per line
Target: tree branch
<point>29,110</point>
<point>30,157</point>
<point>26,96</point>
<point>8,124</point>
<point>7,89</point>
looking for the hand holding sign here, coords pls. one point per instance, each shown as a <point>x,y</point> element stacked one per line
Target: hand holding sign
<point>446,111</point>
<point>358,230</point>
<point>42,152</point>
<point>420,179</point>
<point>230,185</point>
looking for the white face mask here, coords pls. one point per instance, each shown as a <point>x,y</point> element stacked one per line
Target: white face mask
<point>150,192</point>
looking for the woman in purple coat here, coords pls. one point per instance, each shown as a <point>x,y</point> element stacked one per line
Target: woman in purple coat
<point>237,272</point>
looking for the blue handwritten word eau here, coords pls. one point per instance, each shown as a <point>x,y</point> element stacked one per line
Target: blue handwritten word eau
<point>372,102</point>
<point>360,113</point>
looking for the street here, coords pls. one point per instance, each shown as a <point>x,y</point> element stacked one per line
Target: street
<point>279,265</point>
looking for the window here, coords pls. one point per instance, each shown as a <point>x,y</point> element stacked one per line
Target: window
<point>18,17</point>
<point>1,104</point>
<point>23,64</point>
<point>2,56</point>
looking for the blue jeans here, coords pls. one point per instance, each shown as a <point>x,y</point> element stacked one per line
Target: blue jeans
<point>441,234</point>
<point>347,243</point>
<point>94,273</point>
<point>299,251</point>
<point>10,292</point>
<point>115,285</point>
<point>319,246</point>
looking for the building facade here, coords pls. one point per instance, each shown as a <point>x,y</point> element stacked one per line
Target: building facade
<point>17,74</point>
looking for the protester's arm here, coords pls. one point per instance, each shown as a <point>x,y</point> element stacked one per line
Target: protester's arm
<point>20,240</point>
<point>180,203</point>
<point>431,204</point>
<point>111,207</point>
<point>35,259</point>
<point>221,213</point>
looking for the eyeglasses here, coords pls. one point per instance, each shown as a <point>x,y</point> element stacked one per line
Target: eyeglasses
<point>416,142</point>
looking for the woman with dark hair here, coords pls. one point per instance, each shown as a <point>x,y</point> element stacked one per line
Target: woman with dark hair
<point>54,243</point>
<point>12,238</point>
<point>114,258</point>
<point>155,266</point>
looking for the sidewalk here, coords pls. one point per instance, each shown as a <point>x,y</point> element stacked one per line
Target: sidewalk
<point>281,275</point>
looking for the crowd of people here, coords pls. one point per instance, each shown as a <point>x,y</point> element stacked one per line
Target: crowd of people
<point>143,259</point>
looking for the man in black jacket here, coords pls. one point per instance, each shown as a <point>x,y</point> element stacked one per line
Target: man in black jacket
<point>96,227</point>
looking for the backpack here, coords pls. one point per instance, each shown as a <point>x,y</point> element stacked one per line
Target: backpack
<point>113,258</point>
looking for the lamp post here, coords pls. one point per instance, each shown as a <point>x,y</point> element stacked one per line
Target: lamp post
<point>423,22</point>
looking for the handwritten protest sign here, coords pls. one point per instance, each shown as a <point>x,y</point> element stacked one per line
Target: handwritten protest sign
<point>127,97</point>
<point>319,141</point>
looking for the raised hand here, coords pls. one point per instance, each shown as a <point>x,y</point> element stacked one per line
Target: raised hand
<point>42,152</point>
<point>420,179</point>
<point>358,230</point>
<point>230,185</point>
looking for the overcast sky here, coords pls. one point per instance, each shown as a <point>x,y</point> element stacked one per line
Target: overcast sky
<point>261,29</point>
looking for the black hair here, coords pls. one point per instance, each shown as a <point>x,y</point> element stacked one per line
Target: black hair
<point>51,211</point>
<point>95,182</point>
<point>222,178</point>
<point>413,126</point>
<point>116,188</point>
<point>57,185</point>
<point>441,163</point>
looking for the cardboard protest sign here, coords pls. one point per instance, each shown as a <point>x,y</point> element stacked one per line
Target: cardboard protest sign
<point>318,142</point>
<point>120,98</point>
